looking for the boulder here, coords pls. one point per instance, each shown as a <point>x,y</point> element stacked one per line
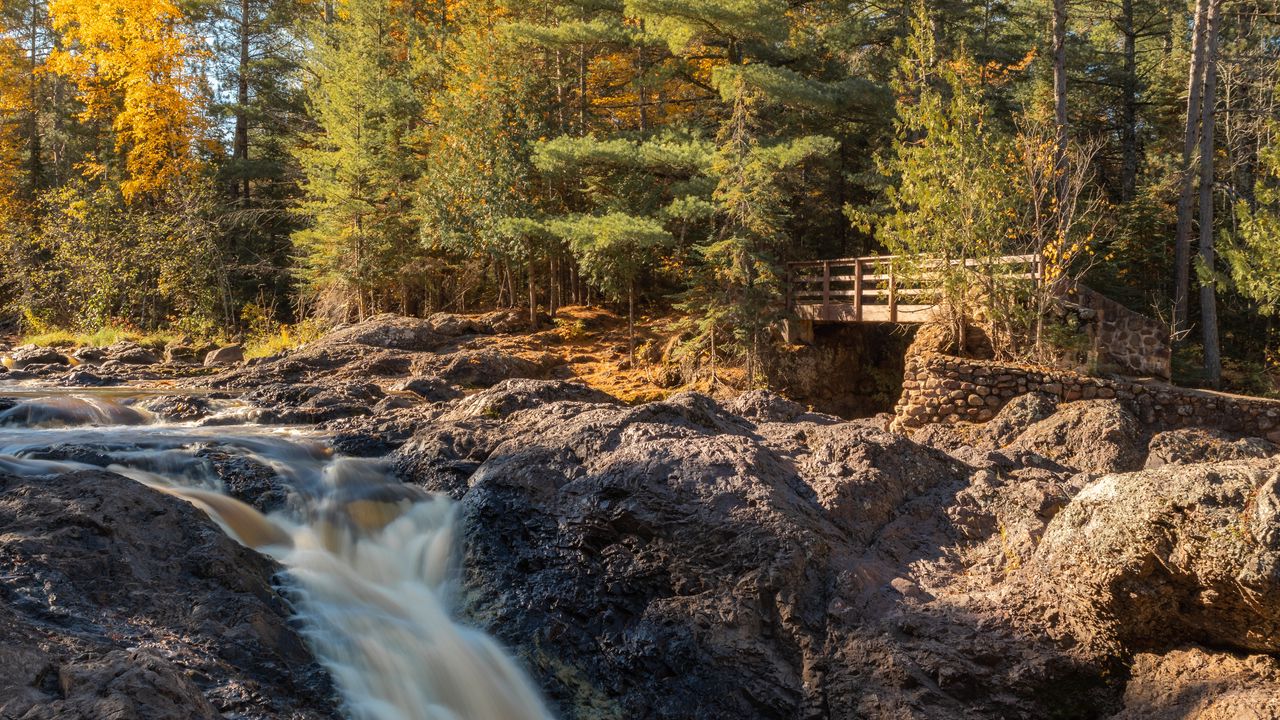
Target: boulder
<point>1197,445</point>
<point>131,353</point>
<point>89,355</point>
<point>123,602</point>
<point>511,395</point>
<point>1140,561</point>
<point>387,331</point>
<point>765,406</point>
<point>182,354</point>
<point>179,408</point>
<point>1089,435</point>
<point>482,367</point>
<point>229,355</point>
<point>30,356</point>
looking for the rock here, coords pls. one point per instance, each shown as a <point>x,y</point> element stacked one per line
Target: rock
<point>130,353</point>
<point>765,406</point>
<point>1017,416</point>
<point>89,355</point>
<point>672,560</point>
<point>509,396</point>
<point>1198,445</point>
<point>1137,562</point>
<point>81,377</point>
<point>430,388</point>
<point>1089,435</point>
<point>229,355</point>
<point>314,403</point>
<point>28,356</point>
<point>248,480</point>
<point>484,367</point>
<point>123,602</point>
<point>1192,682</point>
<point>179,408</point>
<point>388,331</point>
<point>180,354</point>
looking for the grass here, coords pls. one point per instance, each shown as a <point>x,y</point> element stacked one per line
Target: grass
<point>281,338</point>
<point>99,338</point>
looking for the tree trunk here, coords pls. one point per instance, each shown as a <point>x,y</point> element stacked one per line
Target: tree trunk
<point>533,296</point>
<point>1129,121</point>
<point>240,144</point>
<point>1208,292</point>
<point>631,323</point>
<point>1060,94</point>
<point>1182,239</point>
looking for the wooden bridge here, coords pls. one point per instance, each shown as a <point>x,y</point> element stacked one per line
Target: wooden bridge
<point>876,288</point>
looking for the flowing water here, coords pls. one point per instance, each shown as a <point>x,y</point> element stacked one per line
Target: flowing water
<point>372,562</point>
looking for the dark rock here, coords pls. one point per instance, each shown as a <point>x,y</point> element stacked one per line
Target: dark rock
<point>484,367</point>
<point>89,355</point>
<point>179,354</point>
<point>671,560</point>
<point>248,480</point>
<point>1017,416</point>
<point>308,403</point>
<point>179,408</point>
<point>123,602</point>
<point>29,356</point>
<point>430,388</point>
<point>509,396</point>
<point>130,353</point>
<point>765,406</point>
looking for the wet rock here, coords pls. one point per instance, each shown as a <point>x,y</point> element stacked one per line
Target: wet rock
<point>1090,435</point>
<point>1198,445</point>
<point>674,560</point>
<point>82,377</point>
<point>229,355</point>
<point>120,601</point>
<point>313,403</point>
<point>179,408</point>
<point>248,480</point>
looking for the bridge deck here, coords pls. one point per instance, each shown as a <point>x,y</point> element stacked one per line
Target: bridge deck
<point>876,288</point>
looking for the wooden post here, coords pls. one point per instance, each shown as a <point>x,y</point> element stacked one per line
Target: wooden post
<point>826,290</point>
<point>893,295</point>
<point>857,290</point>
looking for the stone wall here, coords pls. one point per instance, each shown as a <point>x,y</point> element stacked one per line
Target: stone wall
<point>1135,343</point>
<point>944,389</point>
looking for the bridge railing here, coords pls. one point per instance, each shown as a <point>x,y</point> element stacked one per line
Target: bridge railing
<point>885,288</point>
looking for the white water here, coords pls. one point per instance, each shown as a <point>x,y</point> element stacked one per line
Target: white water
<point>372,561</point>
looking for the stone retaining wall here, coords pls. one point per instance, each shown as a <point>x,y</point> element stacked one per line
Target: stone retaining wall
<point>944,389</point>
<point>1137,344</point>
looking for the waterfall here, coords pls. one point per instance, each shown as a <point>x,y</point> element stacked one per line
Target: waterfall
<point>373,563</point>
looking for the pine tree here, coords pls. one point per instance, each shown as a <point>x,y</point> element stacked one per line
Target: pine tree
<point>359,167</point>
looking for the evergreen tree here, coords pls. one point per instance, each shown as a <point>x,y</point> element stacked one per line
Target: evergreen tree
<point>359,250</point>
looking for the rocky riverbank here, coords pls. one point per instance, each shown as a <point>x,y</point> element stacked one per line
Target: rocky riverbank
<point>687,557</point>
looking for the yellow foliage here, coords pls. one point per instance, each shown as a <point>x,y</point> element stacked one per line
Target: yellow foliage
<point>128,60</point>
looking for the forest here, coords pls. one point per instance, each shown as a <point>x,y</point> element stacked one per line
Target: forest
<point>280,166</point>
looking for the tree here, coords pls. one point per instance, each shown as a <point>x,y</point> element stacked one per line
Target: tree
<point>615,251</point>
<point>1182,240</point>
<point>1253,255</point>
<point>129,59</point>
<point>359,166</point>
<point>1208,289</point>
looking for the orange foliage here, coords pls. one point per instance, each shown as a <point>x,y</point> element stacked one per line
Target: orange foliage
<point>127,58</point>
